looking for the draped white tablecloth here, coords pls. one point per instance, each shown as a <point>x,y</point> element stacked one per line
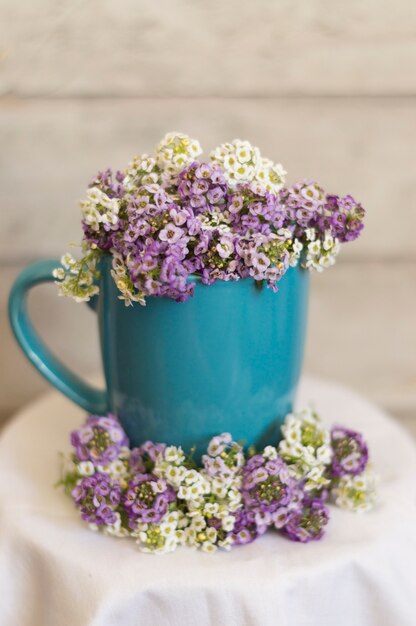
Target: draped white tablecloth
<point>55,571</point>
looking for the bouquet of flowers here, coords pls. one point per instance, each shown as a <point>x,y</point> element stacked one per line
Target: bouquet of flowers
<point>170,217</point>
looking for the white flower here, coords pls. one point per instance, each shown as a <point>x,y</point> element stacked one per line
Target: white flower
<point>314,247</point>
<point>207,546</point>
<point>198,523</point>
<point>173,454</point>
<point>328,241</point>
<point>176,151</point>
<point>192,477</point>
<point>141,170</point>
<point>226,544</point>
<point>219,487</point>
<point>212,534</point>
<point>85,468</point>
<point>211,508</point>
<point>322,253</point>
<point>58,273</point>
<point>68,261</point>
<point>215,220</point>
<point>77,280</point>
<point>128,292</point>
<point>99,209</point>
<point>95,195</point>
<point>228,523</point>
<point>193,492</point>
<point>117,469</point>
<point>306,447</point>
<point>175,475</point>
<point>168,529</point>
<point>270,452</point>
<point>315,479</point>
<point>271,176</point>
<point>239,160</point>
<point>297,246</point>
<point>326,261</point>
<point>282,233</point>
<point>310,234</point>
<point>355,493</point>
<point>159,538</point>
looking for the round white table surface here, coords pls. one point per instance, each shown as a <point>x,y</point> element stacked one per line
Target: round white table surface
<point>55,571</point>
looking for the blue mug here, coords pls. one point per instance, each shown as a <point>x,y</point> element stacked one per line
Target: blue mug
<point>228,359</point>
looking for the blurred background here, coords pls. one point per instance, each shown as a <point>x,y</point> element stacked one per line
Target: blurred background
<point>327,88</point>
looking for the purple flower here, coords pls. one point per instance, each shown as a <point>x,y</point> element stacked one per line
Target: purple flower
<point>147,499</point>
<point>215,195</point>
<point>307,522</point>
<point>252,211</point>
<point>349,452</point>
<point>111,184</point>
<point>236,203</point>
<point>344,217</point>
<point>246,527</point>
<point>99,440</point>
<point>97,497</point>
<point>143,459</point>
<point>302,205</point>
<point>203,185</point>
<point>225,457</point>
<point>170,233</point>
<point>267,487</point>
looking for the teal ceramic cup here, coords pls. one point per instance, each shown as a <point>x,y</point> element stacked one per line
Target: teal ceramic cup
<point>228,359</point>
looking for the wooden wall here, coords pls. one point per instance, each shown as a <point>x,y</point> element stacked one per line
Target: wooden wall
<point>327,88</point>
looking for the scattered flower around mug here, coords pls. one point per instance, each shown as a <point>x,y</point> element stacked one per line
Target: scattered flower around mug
<point>159,496</point>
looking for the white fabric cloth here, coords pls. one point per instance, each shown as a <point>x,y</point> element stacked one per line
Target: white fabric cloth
<point>55,571</point>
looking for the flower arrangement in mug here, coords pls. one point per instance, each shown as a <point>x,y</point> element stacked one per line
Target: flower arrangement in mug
<point>169,216</point>
<point>159,496</point>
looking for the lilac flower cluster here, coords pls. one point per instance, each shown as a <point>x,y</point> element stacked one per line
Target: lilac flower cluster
<point>268,489</point>
<point>143,458</point>
<point>202,187</point>
<point>100,440</point>
<point>346,217</point>
<point>169,217</point>
<point>157,495</point>
<point>111,186</point>
<point>273,496</point>
<point>147,499</point>
<point>224,457</point>
<point>253,209</point>
<point>247,527</point>
<point>307,206</point>
<point>110,183</point>
<point>97,497</point>
<point>306,523</point>
<point>349,452</point>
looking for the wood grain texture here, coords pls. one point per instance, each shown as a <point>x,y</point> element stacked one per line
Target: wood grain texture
<point>177,47</point>
<point>361,333</point>
<point>50,149</point>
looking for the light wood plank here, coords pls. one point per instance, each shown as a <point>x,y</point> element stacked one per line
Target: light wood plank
<point>177,47</point>
<point>50,149</point>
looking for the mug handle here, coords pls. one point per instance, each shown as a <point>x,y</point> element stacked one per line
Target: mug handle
<point>91,399</point>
